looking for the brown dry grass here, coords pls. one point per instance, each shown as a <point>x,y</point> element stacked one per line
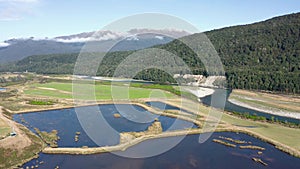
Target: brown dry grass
<point>280,101</point>
<point>4,128</point>
<point>19,149</point>
<point>17,142</point>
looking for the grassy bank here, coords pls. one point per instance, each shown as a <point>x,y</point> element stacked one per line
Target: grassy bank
<point>284,138</point>
<point>15,157</point>
<point>267,101</point>
<point>5,129</point>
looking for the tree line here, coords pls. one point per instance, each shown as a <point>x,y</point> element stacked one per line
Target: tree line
<point>260,56</point>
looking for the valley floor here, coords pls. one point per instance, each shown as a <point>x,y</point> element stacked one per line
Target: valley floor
<point>18,100</point>
<point>18,149</point>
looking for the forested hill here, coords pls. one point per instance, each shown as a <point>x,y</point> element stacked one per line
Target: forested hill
<point>263,55</point>
<point>272,45</point>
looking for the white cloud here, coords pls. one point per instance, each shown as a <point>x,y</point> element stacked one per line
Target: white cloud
<point>159,37</point>
<point>97,36</point>
<point>88,39</point>
<point>73,40</point>
<point>4,44</point>
<point>16,9</point>
<point>22,1</point>
<point>132,37</point>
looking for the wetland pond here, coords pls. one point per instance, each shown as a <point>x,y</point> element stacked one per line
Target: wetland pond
<point>189,153</point>
<point>65,121</point>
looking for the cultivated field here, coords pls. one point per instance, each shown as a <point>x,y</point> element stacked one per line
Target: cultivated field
<point>102,92</point>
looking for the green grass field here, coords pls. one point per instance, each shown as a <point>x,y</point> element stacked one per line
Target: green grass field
<point>4,129</point>
<point>284,135</point>
<point>13,157</point>
<point>102,92</point>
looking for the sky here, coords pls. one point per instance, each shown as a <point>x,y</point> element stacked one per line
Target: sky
<point>51,18</point>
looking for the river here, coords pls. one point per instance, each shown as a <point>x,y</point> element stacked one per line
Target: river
<point>236,108</point>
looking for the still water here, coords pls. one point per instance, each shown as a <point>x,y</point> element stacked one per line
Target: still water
<point>65,121</point>
<point>188,154</point>
<point>164,106</point>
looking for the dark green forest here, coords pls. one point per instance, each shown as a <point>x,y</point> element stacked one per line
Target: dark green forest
<point>259,56</point>
<point>263,56</point>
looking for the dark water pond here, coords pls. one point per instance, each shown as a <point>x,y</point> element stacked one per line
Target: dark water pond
<point>65,121</point>
<point>188,154</point>
<point>164,106</point>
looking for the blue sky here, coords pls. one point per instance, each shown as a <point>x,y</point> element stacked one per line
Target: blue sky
<point>50,18</point>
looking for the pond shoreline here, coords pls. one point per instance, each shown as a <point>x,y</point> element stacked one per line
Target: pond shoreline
<point>278,113</point>
<point>124,146</point>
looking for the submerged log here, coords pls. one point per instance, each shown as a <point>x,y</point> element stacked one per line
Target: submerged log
<point>233,140</point>
<point>252,147</point>
<point>224,143</point>
<point>258,160</point>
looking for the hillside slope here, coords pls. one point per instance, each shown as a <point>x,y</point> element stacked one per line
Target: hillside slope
<point>262,56</point>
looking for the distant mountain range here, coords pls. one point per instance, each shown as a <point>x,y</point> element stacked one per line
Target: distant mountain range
<point>17,49</point>
<point>133,34</point>
<point>259,56</point>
